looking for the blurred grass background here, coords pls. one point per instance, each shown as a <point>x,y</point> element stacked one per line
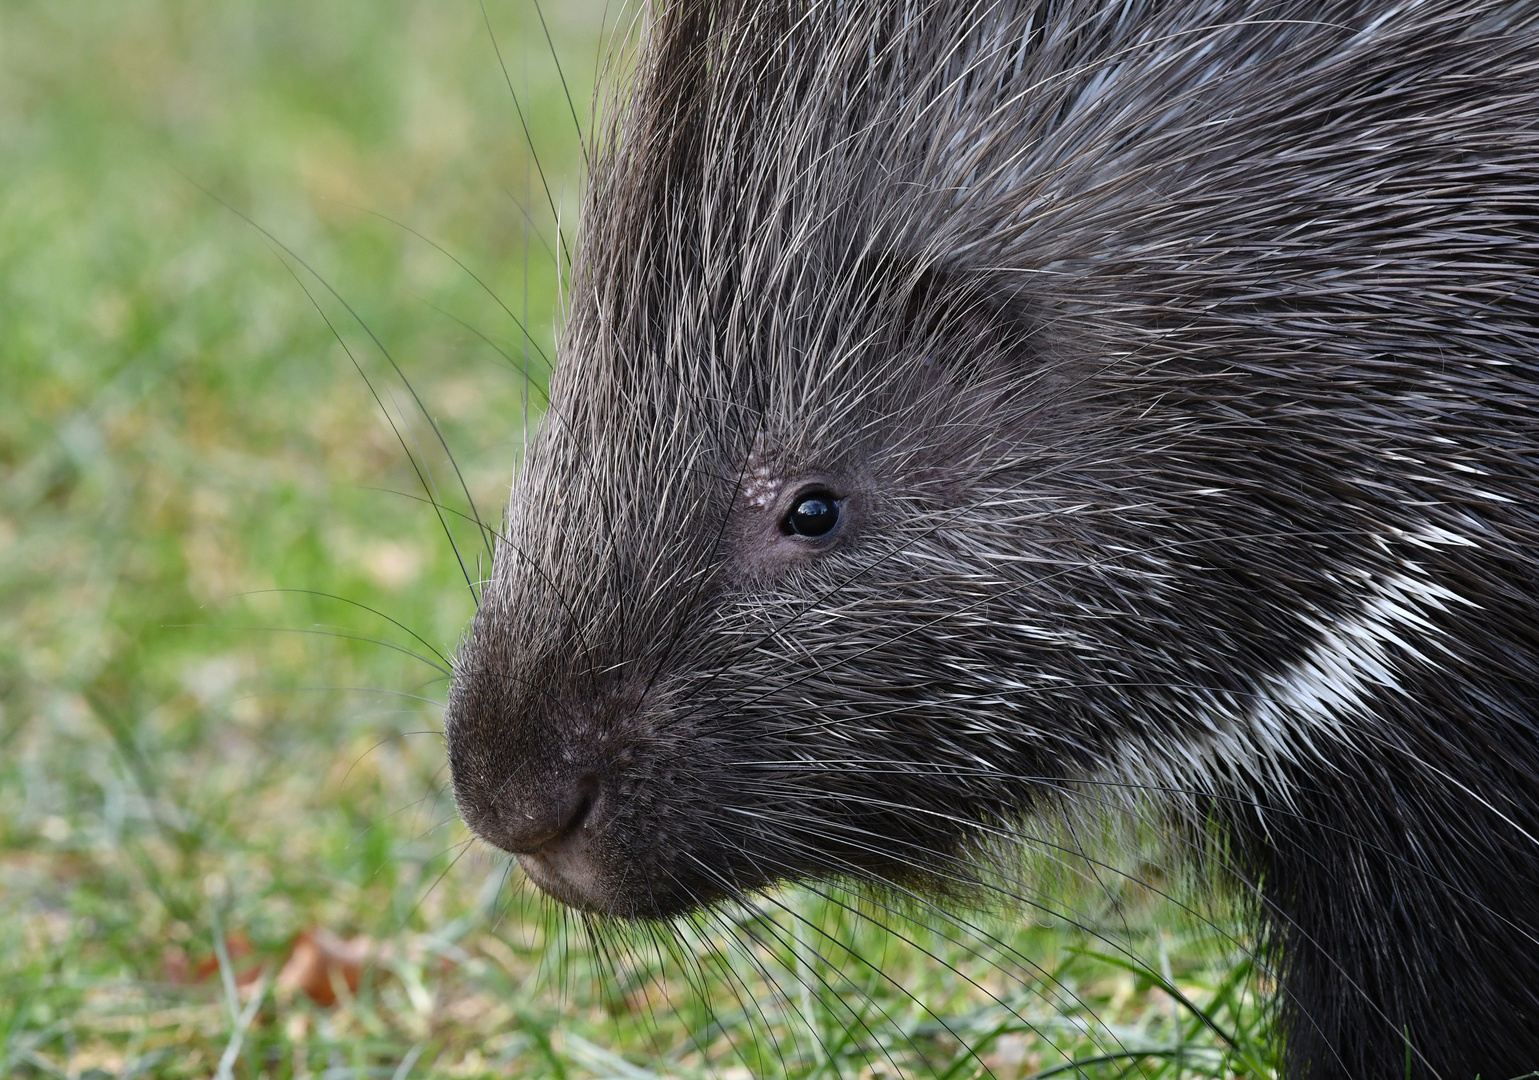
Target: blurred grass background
<point>202,750</point>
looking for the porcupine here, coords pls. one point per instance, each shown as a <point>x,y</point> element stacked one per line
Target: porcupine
<point>970,410</point>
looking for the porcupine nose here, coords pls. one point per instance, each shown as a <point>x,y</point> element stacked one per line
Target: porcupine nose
<point>534,825</point>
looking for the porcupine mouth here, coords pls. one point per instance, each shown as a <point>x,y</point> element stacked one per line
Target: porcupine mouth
<point>569,876</point>
<point>566,866</point>
<point>571,868</point>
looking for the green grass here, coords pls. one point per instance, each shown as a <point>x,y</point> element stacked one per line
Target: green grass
<point>189,459</point>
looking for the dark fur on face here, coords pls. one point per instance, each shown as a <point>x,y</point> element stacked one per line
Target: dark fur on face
<point>1171,368</point>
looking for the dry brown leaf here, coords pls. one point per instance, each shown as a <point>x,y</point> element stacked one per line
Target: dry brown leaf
<point>320,960</point>
<point>179,967</point>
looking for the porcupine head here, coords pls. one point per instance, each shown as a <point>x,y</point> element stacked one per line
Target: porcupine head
<point>809,568</point>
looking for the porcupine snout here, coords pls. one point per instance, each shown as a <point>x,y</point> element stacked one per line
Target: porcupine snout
<point>555,760</point>
<point>529,776</point>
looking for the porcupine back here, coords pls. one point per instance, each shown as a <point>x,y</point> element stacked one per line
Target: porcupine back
<point>1161,377</point>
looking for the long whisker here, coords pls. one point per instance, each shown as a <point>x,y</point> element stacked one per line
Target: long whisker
<point>524,124</point>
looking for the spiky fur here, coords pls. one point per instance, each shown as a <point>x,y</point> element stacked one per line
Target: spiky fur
<point>1177,365</point>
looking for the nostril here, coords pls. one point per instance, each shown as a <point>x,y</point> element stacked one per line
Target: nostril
<point>587,797</point>
<point>537,822</point>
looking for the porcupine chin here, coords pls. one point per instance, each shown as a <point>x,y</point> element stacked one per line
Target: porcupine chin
<point>967,411</point>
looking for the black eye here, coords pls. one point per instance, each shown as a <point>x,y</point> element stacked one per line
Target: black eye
<point>814,514</point>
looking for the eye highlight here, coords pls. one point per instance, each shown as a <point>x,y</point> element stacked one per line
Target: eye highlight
<point>814,514</point>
